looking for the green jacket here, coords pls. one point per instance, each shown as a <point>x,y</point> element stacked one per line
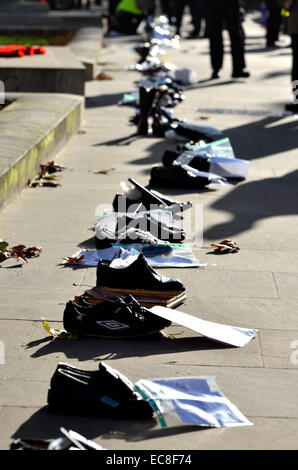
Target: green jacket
<point>131,6</point>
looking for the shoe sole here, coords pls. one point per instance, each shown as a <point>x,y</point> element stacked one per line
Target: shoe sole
<point>124,337</point>
<point>143,293</point>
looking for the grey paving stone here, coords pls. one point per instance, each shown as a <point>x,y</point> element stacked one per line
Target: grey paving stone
<point>286,284</point>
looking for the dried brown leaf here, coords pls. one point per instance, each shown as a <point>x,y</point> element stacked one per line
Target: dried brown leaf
<point>72,260</point>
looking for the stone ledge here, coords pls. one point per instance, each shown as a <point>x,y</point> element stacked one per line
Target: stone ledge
<point>33,129</point>
<point>57,71</point>
<point>86,46</point>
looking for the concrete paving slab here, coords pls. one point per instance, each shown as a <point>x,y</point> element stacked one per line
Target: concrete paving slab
<point>31,341</point>
<point>249,260</point>
<point>286,284</point>
<point>245,312</point>
<point>279,348</point>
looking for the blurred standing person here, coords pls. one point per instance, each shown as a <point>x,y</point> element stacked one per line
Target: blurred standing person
<point>195,7</point>
<point>292,5</point>
<point>167,9</point>
<point>228,12</point>
<point>273,22</point>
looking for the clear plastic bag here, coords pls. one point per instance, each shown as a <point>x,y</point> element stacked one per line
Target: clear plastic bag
<point>190,401</point>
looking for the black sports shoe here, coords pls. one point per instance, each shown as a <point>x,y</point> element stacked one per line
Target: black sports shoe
<point>113,318</point>
<point>176,177</point>
<point>105,394</point>
<point>139,275</point>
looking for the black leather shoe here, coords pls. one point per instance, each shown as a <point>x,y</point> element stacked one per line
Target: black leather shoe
<point>114,318</point>
<point>146,198</point>
<point>215,75</point>
<point>176,177</point>
<point>146,101</point>
<point>240,74</point>
<point>137,276</point>
<point>104,396</point>
<point>292,108</point>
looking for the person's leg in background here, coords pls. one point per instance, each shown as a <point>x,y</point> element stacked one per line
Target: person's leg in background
<point>196,14</point>
<point>214,23</point>
<point>294,76</point>
<point>179,6</point>
<point>273,22</point>
<point>112,6</point>
<point>232,17</point>
<point>166,9</point>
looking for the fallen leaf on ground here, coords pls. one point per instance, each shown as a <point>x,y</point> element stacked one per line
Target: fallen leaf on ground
<point>226,246</point>
<point>72,260</point>
<point>104,76</point>
<point>104,172</point>
<point>51,167</point>
<point>58,333</point>
<point>20,252</point>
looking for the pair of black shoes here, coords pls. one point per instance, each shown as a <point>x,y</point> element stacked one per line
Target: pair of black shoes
<point>177,177</point>
<point>104,392</point>
<point>147,199</point>
<point>115,318</point>
<point>139,275</point>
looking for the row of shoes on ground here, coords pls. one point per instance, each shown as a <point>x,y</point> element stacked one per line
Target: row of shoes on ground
<point>153,108</point>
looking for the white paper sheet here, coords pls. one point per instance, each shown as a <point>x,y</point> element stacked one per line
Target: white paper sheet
<point>232,335</point>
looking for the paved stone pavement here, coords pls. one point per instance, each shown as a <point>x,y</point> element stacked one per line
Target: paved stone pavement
<point>256,287</point>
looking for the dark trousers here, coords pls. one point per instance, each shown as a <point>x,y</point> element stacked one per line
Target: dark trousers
<point>167,8</point>
<point>295,57</point>
<point>218,13</point>
<point>195,11</point>
<point>273,25</point>
<point>112,5</point>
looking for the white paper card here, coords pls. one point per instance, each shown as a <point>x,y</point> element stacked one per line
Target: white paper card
<point>231,335</point>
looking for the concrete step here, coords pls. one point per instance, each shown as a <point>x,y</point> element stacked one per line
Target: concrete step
<point>32,130</point>
<point>86,46</point>
<point>57,71</point>
<point>58,20</point>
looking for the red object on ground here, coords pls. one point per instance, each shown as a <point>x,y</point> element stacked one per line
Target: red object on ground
<point>20,51</point>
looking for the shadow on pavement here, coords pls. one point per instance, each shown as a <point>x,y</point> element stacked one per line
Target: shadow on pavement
<point>101,349</point>
<point>263,139</point>
<point>103,100</point>
<point>271,197</point>
<point>45,425</point>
